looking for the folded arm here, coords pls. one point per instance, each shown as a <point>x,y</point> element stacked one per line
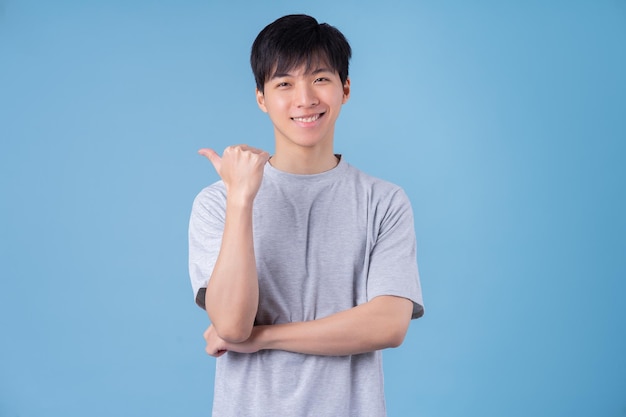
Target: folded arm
<point>232,294</point>
<point>378,324</point>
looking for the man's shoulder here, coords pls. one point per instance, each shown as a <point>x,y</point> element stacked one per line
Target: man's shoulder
<point>216,189</point>
<point>374,185</point>
<point>211,196</point>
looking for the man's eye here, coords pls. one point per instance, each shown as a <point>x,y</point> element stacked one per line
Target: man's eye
<point>321,79</point>
<point>283,84</point>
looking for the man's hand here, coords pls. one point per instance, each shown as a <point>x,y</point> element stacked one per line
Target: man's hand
<point>241,169</point>
<point>216,346</point>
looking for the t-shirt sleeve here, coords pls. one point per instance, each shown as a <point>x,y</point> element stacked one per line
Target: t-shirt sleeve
<point>206,226</point>
<point>393,259</point>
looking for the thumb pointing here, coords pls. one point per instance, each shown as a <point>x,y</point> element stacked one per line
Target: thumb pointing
<point>212,156</point>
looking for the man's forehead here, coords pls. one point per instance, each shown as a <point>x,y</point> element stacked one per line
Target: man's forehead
<point>306,65</point>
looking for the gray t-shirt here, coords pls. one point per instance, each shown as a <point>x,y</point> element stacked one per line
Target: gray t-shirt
<point>324,243</point>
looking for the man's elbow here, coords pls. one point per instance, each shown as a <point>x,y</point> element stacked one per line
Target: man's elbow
<point>231,327</point>
<point>396,337</point>
<point>397,312</point>
<point>233,333</point>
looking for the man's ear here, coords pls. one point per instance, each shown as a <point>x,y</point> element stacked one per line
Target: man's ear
<point>260,100</point>
<point>346,91</point>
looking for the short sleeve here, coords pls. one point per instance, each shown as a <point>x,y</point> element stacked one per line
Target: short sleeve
<point>206,226</point>
<point>393,258</point>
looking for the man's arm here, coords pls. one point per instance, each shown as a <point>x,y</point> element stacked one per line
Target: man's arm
<point>232,294</point>
<point>378,324</point>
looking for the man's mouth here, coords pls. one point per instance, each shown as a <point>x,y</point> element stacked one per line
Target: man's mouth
<point>308,119</point>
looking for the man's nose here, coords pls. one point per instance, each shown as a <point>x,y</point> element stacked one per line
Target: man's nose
<point>305,96</point>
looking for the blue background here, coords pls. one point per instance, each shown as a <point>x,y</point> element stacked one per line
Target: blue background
<point>503,121</point>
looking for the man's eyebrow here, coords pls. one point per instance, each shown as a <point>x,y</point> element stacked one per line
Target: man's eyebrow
<point>286,74</point>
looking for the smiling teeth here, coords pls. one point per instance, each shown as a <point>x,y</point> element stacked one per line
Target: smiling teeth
<point>307,119</point>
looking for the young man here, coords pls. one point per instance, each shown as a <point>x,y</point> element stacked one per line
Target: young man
<point>306,266</point>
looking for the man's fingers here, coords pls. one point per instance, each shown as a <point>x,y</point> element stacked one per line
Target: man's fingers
<point>251,149</point>
<point>215,354</point>
<point>213,345</point>
<point>265,155</point>
<point>244,148</point>
<point>216,160</point>
<point>212,156</point>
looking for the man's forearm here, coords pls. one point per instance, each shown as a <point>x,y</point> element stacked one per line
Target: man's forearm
<point>232,295</point>
<point>378,324</point>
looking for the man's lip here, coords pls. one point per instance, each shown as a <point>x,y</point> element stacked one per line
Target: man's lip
<point>309,118</point>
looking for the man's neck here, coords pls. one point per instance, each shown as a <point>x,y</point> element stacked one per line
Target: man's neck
<point>304,161</point>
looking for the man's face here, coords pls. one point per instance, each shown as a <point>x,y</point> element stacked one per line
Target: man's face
<point>304,105</point>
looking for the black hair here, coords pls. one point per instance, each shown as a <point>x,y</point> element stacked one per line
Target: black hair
<point>295,40</point>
